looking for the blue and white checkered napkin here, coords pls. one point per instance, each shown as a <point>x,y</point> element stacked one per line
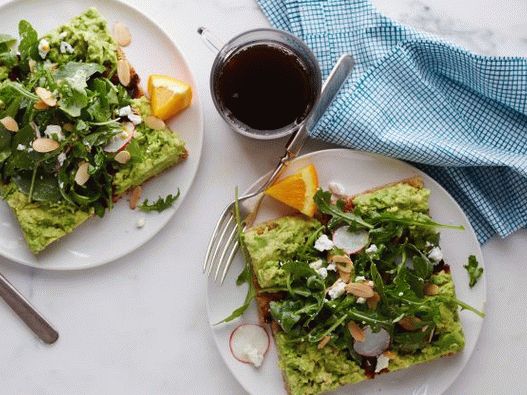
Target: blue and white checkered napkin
<point>460,117</point>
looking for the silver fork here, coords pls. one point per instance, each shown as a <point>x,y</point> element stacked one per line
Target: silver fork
<point>224,242</point>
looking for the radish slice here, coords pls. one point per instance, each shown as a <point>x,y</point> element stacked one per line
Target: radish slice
<point>120,141</point>
<point>249,343</point>
<point>350,242</point>
<point>374,342</point>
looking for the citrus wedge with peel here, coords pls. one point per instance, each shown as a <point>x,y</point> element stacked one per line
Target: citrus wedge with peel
<point>297,190</point>
<point>168,95</point>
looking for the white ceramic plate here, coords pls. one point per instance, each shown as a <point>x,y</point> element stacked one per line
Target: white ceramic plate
<point>359,172</point>
<point>151,51</point>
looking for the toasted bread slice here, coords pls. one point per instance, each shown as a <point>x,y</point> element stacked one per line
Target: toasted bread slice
<point>43,223</point>
<point>308,375</point>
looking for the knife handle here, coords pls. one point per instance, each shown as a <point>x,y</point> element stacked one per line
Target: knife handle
<point>32,318</point>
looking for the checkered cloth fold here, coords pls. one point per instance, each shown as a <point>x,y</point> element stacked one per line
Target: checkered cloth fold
<point>460,117</point>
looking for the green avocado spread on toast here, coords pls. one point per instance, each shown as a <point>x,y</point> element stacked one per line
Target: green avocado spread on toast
<point>72,137</point>
<point>323,325</point>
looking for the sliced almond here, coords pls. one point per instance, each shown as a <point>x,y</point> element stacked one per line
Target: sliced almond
<point>343,263</point>
<point>346,277</point>
<point>360,290</point>
<point>123,72</point>
<point>325,340</point>
<point>32,65</point>
<point>82,176</point>
<point>43,144</point>
<point>122,34</point>
<point>430,289</point>
<point>356,331</point>
<point>122,157</point>
<point>373,301</point>
<point>10,124</point>
<point>135,196</point>
<point>409,323</point>
<point>46,96</point>
<point>154,122</point>
<point>40,105</point>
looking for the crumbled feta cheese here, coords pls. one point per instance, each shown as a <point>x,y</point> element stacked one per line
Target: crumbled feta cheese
<point>337,289</point>
<point>127,112</point>
<point>65,47</point>
<point>360,278</point>
<point>323,243</point>
<point>332,267</point>
<point>21,147</point>
<point>336,189</point>
<point>316,264</point>
<point>371,283</point>
<point>361,300</point>
<point>253,355</point>
<point>322,272</point>
<point>140,222</point>
<point>63,34</point>
<point>43,48</point>
<point>436,254</point>
<point>135,119</point>
<point>382,363</point>
<point>61,158</point>
<point>54,130</point>
<point>372,249</point>
<point>401,293</point>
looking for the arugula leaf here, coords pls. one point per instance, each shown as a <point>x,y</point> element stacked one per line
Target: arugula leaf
<point>423,220</point>
<point>5,145</point>
<point>28,47</point>
<point>42,188</point>
<point>159,205</point>
<point>73,77</point>
<point>473,269</point>
<point>323,201</point>
<point>247,273</point>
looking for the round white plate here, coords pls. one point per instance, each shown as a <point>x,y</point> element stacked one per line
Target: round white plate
<point>102,240</point>
<point>358,172</point>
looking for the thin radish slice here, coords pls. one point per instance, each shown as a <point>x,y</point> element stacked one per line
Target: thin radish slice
<point>350,241</point>
<point>121,140</point>
<point>249,343</point>
<point>374,342</point>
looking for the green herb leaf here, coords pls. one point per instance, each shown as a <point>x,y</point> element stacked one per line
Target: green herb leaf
<point>160,204</point>
<point>323,202</point>
<point>28,46</point>
<point>473,269</point>
<point>247,273</point>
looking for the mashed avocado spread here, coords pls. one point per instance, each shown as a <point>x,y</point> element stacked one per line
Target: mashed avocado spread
<point>157,150</point>
<point>88,37</point>
<point>312,364</point>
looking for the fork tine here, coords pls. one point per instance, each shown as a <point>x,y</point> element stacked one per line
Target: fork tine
<point>226,228</point>
<point>230,258</point>
<point>215,240</point>
<point>232,236</point>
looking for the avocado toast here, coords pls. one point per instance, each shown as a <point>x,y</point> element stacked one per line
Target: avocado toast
<point>358,291</point>
<point>74,130</point>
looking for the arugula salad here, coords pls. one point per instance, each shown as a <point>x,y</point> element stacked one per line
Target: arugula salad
<point>361,290</point>
<point>76,131</point>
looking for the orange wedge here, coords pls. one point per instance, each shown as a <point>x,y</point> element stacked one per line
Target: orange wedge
<point>297,190</point>
<point>168,95</point>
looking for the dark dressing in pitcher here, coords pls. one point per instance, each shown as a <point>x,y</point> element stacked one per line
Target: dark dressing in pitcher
<point>265,86</point>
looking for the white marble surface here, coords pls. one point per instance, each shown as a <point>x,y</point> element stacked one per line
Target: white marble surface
<point>139,325</point>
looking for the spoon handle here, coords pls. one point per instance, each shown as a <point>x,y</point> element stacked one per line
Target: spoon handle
<point>21,306</point>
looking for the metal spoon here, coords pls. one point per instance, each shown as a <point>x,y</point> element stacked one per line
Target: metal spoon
<point>21,306</point>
